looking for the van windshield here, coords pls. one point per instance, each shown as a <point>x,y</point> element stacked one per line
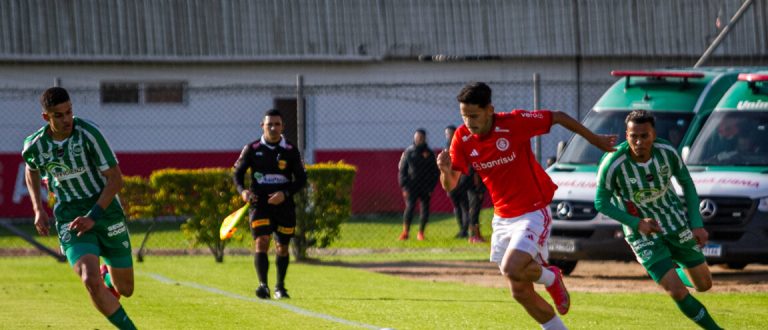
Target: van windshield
<point>670,126</point>
<point>737,138</point>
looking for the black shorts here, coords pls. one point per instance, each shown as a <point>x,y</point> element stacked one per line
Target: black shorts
<point>280,219</point>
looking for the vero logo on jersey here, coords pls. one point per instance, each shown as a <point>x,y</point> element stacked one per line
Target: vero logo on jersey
<point>61,171</point>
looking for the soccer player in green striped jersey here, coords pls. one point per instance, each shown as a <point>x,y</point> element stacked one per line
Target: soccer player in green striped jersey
<point>634,186</point>
<point>81,170</point>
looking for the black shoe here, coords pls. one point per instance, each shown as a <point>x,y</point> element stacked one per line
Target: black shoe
<point>281,293</point>
<point>461,235</point>
<point>263,291</point>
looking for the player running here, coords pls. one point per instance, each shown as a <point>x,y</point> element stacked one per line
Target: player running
<point>497,147</point>
<point>81,170</point>
<point>634,186</point>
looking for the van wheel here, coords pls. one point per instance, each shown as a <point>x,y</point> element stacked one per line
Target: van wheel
<point>567,266</point>
<point>734,265</point>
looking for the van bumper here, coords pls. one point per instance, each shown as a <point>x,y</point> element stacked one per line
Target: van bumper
<point>595,239</point>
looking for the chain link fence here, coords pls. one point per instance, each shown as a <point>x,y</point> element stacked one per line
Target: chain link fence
<point>366,125</point>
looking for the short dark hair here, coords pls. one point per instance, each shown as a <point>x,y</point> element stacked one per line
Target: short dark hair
<point>53,96</point>
<point>422,131</point>
<point>641,117</point>
<point>273,112</point>
<point>451,127</point>
<point>475,92</point>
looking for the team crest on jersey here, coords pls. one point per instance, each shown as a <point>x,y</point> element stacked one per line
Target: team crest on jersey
<point>64,231</point>
<point>664,170</point>
<point>282,164</point>
<point>502,144</point>
<point>76,149</point>
<point>646,254</point>
<point>46,155</point>
<point>632,180</point>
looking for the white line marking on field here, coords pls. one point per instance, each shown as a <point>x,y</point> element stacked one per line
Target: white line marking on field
<point>291,308</point>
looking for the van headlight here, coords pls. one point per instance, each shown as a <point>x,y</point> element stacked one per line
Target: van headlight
<point>762,204</point>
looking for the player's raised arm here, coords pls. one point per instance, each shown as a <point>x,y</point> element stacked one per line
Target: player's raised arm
<point>602,142</point>
<point>448,177</point>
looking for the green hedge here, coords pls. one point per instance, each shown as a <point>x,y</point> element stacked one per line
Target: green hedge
<point>207,196</point>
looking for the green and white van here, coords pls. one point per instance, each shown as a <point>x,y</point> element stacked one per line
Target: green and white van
<point>728,162</point>
<point>681,100</point>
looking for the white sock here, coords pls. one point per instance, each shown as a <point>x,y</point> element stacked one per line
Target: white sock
<point>547,277</point>
<point>554,324</point>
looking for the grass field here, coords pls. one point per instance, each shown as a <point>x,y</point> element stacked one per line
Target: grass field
<point>197,293</point>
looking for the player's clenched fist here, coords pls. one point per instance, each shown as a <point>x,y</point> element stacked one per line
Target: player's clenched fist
<point>444,160</point>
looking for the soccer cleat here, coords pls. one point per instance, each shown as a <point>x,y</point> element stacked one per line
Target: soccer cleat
<point>420,236</point>
<point>281,293</point>
<point>558,292</point>
<point>263,291</point>
<point>403,236</point>
<point>104,271</point>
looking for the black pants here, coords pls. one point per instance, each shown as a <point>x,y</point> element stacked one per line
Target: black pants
<point>460,200</point>
<point>410,204</point>
<point>475,201</point>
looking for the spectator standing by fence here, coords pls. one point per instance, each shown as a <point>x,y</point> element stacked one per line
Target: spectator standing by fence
<point>418,177</point>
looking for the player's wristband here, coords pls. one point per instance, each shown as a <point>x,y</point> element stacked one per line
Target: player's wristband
<point>96,212</point>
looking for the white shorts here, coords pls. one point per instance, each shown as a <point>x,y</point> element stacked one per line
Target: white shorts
<point>528,232</point>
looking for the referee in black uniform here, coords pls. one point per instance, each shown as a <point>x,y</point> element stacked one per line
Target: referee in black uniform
<point>277,173</point>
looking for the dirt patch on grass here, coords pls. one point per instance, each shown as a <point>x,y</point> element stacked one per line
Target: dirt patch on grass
<point>589,276</point>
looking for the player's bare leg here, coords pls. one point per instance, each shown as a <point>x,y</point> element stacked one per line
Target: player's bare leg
<point>691,307</point>
<point>520,266</point>
<point>534,304</point>
<point>87,267</point>
<point>122,280</point>
<point>701,277</point>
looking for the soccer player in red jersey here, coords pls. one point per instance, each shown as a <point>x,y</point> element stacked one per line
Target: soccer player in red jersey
<point>497,146</point>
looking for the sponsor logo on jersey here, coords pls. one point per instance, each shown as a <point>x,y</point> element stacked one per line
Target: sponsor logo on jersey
<point>64,233</point>
<point>501,130</point>
<point>685,236</point>
<point>116,229</point>
<point>649,195</point>
<point>474,153</point>
<point>259,153</point>
<point>61,171</point>
<point>639,244</point>
<point>532,114</point>
<point>270,178</point>
<point>502,144</point>
<point>126,244</point>
<point>282,164</point>
<point>646,254</point>
<point>465,138</point>
<point>488,165</point>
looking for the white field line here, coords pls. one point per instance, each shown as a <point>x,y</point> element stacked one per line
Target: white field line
<point>291,308</point>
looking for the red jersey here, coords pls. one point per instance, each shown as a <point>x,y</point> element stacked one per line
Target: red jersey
<point>504,160</point>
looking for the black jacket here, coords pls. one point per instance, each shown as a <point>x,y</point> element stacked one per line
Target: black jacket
<point>418,169</point>
<point>273,168</point>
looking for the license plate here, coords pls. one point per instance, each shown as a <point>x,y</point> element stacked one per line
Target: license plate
<point>712,250</point>
<point>562,245</point>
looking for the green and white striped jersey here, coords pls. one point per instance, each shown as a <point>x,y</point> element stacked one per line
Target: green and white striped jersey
<point>72,167</point>
<point>629,191</point>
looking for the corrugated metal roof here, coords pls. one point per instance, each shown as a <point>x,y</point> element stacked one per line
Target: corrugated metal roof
<point>246,30</point>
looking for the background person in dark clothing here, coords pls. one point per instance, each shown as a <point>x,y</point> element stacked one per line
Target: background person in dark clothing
<point>475,197</point>
<point>418,177</point>
<point>459,195</point>
<point>277,173</point>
